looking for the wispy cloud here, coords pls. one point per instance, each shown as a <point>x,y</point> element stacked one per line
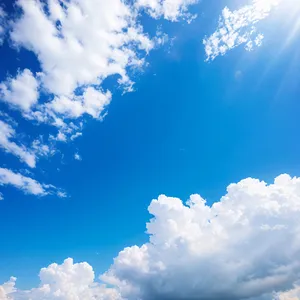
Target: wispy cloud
<point>27,184</point>
<point>7,133</point>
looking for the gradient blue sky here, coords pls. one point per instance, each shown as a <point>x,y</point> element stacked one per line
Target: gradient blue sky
<point>190,126</point>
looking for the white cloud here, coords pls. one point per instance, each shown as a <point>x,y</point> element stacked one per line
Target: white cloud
<point>26,184</point>
<point>238,27</point>
<point>75,136</point>
<point>7,133</point>
<point>91,102</point>
<point>245,246</point>
<point>170,9</point>
<point>69,281</point>
<point>78,45</point>
<point>27,154</point>
<point>7,288</point>
<point>77,156</point>
<point>20,92</point>
<point>94,39</point>
<point>41,149</point>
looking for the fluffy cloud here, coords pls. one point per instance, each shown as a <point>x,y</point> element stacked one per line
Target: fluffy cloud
<point>170,9</point>
<point>20,92</point>
<point>91,102</point>
<point>246,246</point>
<point>80,42</point>
<point>7,288</point>
<point>7,133</point>
<point>68,281</point>
<point>238,27</point>
<point>27,184</point>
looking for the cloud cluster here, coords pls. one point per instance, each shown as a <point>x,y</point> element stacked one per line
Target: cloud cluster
<point>238,27</point>
<point>78,43</point>
<point>246,246</point>
<point>81,43</point>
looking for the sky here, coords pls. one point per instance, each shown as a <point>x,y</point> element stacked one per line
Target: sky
<point>149,150</point>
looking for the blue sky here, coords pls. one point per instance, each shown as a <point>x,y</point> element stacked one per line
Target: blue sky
<point>189,126</point>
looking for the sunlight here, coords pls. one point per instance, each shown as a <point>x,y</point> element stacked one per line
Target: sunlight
<point>291,13</point>
<point>287,12</point>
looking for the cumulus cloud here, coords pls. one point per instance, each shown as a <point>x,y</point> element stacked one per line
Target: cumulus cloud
<point>246,246</point>
<point>91,102</point>
<point>26,184</point>
<point>7,133</point>
<point>7,288</point>
<point>238,27</point>
<point>20,92</point>
<point>169,9</point>
<point>68,281</point>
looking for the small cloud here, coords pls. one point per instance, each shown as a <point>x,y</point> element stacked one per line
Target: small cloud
<point>62,194</point>
<point>75,136</point>
<point>77,156</point>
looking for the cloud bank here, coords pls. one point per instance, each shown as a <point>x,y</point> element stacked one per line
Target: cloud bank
<point>246,246</point>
